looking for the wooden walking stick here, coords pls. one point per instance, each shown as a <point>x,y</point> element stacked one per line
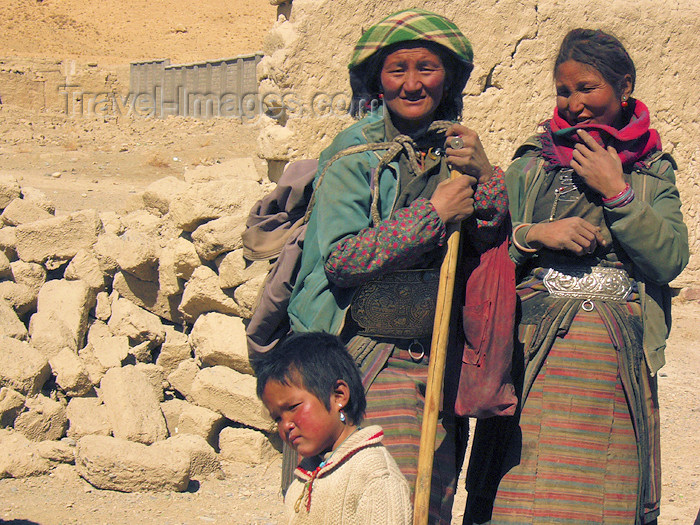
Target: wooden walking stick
<point>436,366</point>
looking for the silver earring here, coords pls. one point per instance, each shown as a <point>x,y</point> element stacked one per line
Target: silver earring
<point>342,416</point>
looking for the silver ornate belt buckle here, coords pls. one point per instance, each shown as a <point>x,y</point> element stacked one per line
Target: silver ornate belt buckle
<point>590,283</point>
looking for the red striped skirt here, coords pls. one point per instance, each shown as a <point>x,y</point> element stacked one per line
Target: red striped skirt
<point>578,456</point>
<point>395,400</point>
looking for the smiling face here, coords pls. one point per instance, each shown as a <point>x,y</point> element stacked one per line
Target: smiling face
<point>413,82</point>
<point>584,96</point>
<point>302,419</point>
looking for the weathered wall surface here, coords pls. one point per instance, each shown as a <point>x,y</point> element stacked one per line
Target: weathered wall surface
<point>510,90</point>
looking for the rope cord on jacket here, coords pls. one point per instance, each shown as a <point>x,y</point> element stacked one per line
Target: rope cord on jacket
<point>394,147</point>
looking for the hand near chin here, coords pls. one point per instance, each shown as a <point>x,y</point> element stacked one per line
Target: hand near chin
<point>573,234</point>
<point>599,167</point>
<point>470,158</point>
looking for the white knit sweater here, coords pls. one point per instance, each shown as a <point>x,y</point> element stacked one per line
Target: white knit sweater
<point>360,484</point>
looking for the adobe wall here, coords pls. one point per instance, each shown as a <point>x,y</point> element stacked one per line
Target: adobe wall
<point>510,90</point>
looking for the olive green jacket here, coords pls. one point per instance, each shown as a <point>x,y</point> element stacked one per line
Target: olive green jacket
<point>650,229</point>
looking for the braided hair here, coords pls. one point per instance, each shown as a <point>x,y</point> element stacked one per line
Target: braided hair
<point>601,51</point>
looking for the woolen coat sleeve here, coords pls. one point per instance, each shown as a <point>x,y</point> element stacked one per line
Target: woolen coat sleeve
<point>651,230</point>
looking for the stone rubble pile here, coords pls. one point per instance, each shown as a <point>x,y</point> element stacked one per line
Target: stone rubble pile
<point>122,337</point>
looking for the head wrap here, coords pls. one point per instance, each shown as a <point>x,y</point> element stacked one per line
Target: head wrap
<point>410,25</point>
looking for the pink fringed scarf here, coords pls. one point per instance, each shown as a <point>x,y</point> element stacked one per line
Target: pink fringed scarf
<point>633,142</point>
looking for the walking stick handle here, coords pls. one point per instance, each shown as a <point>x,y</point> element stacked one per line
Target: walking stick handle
<point>436,372</point>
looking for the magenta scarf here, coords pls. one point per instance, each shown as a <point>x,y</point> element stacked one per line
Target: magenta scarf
<point>633,142</point>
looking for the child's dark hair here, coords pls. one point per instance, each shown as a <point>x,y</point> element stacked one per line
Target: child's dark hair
<point>314,361</point>
<point>601,51</point>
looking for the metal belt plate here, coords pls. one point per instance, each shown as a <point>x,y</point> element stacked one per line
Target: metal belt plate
<point>594,283</point>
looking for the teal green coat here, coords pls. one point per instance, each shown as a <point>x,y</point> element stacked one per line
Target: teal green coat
<point>650,229</point>
<point>342,209</point>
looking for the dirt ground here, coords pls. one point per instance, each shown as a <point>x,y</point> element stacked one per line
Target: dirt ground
<point>103,163</point>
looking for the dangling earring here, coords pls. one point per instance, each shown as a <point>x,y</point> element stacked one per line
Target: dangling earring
<point>624,101</point>
<point>342,415</point>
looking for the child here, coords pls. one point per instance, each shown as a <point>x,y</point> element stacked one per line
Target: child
<point>312,389</point>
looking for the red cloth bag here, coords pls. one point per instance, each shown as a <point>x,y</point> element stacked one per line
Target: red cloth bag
<point>485,386</point>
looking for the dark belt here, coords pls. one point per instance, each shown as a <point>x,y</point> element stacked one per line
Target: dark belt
<point>398,305</point>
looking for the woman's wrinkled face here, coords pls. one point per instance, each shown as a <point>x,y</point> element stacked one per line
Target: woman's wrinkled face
<point>413,82</point>
<point>584,96</point>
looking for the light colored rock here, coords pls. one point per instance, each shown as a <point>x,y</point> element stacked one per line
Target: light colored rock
<point>103,353</point>
<point>30,274</point>
<point>234,169</point>
<point>19,457</point>
<point>98,329</point>
<point>50,335</point>
<point>137,324</point>
<point>142,352</point>
<point>9,189</point>
<point>103,306</point>
<point>20,297</point>
<point>8,242</point>
<point>22,367</point>
<point>202,294</point>
<point>155,375</point>
<point>210,200</point>
<point>86,267</point>
<point>182,378</point>
<point>202,457</point>
<point>219,339</point>
<point>133,417</point>
<point>232,394</point>
<point>150,226</point>
<point>172,408</point>
<point>86,416</point>
<point>245,445</point>
<point>117,464</point>
<point>138,256</point>
<point>111,351</point>
<point>5,272</point>
<point>71,375</point>
<point>10,325</point>
<point>186,258</point>
<point>246,295</point>
<point>38,198</point>
<point>59,238</point>
<point>174,350</point>
<point>20,211</point>
<point>149,296</point>
<point>61,318</point>
<point>158,194</point>
<point>112,223</point>
<point>44,419</point>
<point>218,236</point>
<point>56,451</point>
<point>67,300</point>
<point>201,422</point>
<point>106,249</point>
<point>11,404</point>
<point>234,269</point>
<point>168,281</point>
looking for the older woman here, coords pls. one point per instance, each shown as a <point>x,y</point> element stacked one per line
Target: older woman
<point>383,202</point>
<point>598,235</point>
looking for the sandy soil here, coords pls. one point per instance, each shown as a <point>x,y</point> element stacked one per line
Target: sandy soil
<point>90,162</point>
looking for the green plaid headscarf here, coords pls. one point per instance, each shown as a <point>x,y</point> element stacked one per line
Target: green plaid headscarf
<point>410,25</point>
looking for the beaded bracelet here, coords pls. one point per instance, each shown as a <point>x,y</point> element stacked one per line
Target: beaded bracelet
<point>621,199</point>
<point>517,244</point>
